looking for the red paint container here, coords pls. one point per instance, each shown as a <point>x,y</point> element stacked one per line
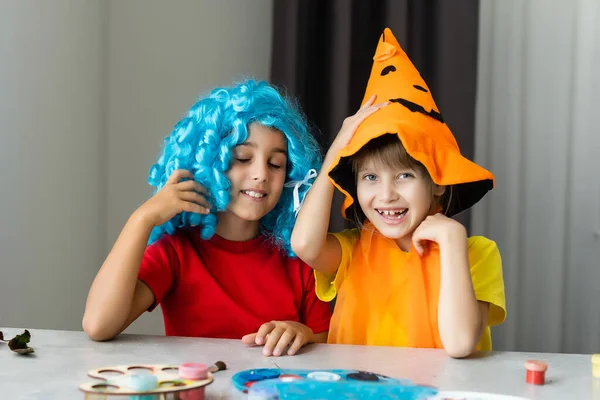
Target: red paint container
<point>536,372</point>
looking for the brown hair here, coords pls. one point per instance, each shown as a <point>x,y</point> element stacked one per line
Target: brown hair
<point>387,150</point>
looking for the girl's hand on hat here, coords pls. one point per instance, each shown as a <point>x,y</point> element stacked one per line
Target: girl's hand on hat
<point>276,336</point>
<point>352,123</point>
<point>175,197</point>
<point>439,229</point>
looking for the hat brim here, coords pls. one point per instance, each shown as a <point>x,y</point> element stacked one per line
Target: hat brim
<point>444,162</point>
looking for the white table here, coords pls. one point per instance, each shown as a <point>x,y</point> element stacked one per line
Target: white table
<point>62,359</point>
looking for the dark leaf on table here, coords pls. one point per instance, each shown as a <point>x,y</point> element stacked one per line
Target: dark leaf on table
<point>19,345</point>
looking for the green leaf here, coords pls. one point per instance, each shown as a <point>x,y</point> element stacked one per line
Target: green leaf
<point>19,345</point>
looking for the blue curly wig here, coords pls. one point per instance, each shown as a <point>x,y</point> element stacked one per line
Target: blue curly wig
<point>203,141</point>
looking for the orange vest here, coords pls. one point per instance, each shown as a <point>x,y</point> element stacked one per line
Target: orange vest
<point>388,297</point>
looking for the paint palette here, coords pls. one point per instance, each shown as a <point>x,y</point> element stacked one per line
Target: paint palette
<point>185,381</point>
<point>292,384</point>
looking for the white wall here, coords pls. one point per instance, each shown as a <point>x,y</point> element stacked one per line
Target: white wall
<point>87,91</point>
<point>52,159</point>
<point>538,131</point>
<point>162,56</point>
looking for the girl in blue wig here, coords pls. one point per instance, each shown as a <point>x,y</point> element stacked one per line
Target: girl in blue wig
<point>212,245</point>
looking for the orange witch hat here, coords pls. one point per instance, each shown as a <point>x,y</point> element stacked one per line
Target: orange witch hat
<point>413,115</point>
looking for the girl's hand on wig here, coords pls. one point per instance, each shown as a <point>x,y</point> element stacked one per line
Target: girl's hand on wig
<point>175,197</point>
<point>439,229</point>
<point>276,336</point>
<point>352,123</point>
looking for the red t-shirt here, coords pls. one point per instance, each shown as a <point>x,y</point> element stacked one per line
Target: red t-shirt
<point>222,289</point>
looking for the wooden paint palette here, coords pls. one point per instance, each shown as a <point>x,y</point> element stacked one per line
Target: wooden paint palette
<point>118,381</point>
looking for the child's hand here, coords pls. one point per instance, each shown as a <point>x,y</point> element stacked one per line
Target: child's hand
<point>175,197</point>
<point>440,229</point>
<point>278,335</point>
<point>352,123</point>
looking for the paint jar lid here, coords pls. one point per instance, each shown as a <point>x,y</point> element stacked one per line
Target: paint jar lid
<point>290,377</point>
<point>193,371</point>
<point>142,382</point>
<point>324,376</point>
<point>536,365</point>
<point>259,374</point>
<point>363,376</point>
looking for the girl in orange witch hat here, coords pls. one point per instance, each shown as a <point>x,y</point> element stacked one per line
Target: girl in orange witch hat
<point>409,275</point>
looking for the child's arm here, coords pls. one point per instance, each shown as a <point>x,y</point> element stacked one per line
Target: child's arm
<point>321,337</point>
<point>117,297</point>
<point>461,318</point>
<point>310,240</point>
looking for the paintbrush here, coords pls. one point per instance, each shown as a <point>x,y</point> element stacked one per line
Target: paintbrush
<point>218,366</point>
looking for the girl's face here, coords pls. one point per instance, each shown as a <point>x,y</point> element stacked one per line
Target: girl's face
<point>395,199</point>
<point>257,174</point>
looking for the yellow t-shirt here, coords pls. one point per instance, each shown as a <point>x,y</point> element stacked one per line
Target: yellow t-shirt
<point>386,296</point>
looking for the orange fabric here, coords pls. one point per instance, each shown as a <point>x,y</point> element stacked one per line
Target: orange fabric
<point>384,303</point>
<point>413,115</point>
<point>389,297</point>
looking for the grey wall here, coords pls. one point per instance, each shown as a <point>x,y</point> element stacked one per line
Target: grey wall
<point>87,91</point>
<point>538,131</point>
<point>52,159</point>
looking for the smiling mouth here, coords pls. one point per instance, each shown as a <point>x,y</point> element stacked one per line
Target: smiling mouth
<point>392,214</point>
<point>252,193</point>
